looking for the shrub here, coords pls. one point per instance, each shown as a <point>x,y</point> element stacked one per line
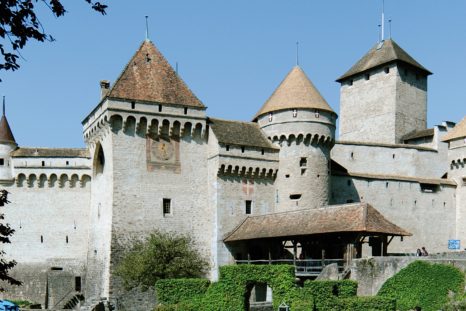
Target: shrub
<point>367,304</point>
<point>160,256</point>
<point>424,285</point>
<point>173,291</point>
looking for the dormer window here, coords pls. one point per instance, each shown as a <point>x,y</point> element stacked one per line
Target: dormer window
<point>387,69</point>
<point>295,113</point>
<point>367,76</point>
<point>270,117</point>
<point>317,114</point>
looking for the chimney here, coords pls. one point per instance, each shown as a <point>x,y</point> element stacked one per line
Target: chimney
<point>104,88</point>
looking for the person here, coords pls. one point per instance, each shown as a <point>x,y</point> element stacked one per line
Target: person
<point>424,251</point>
<point>418,252</point>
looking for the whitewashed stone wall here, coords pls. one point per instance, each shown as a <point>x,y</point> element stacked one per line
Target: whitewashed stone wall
<point>380,106</point>
<point>429,216</point>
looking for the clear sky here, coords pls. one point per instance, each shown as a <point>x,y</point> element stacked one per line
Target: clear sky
<point>232,54</point>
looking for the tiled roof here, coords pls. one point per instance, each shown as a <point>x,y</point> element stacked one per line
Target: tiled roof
<point>149,77</point>
<point>50,153</point>
<point>295,91</point>
<point>240,133</point>
<point>356,217</point>
<point>382,53</point>
<point>418,134</point>
<point>459,131</point>
<point>5,131</point>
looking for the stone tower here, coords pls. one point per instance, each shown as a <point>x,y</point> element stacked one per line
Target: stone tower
<point>299,119</point>
<point>456,139</point>
<point>383,96</point>
<point>7,145</point>
<point>147,137</point>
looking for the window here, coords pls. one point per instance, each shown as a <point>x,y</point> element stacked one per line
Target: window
<point>316,114</point>
<point>160,108</point>
<point>2,161</point>
<point>66,239</point>
<point>270,117</point>
<point>350,82</point>
<point>303,162</point>
<point>242,149</point>
<point>429,188</point>
<point>227,147</point>
<point>287,176</point>
<point>352,155</point>
<point>42,239</point>
<point>303,171</point>
<point>248,207</point>
<point>295,196</point>
<point>393,156</point>
<point>43,163</point>
<point>367,76</point>
<point>185,110</point>
<point>387,70</point>
<point>77,283</point>
<point>295,113</point>
<point>133,105</point>
<point>67,162</point>
<point>262,151</point>
<point>167,207</point>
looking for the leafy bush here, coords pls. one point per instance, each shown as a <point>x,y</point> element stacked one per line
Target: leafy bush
<point>367,304</point>
<point>160,256</point>
<point>424,285</point>
<point>173,291</point>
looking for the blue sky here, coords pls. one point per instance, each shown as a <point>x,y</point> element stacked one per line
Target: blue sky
<point>232,54</point>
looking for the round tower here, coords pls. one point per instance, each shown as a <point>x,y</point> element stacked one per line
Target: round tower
<point>7,145</point>
<point>299,120</point>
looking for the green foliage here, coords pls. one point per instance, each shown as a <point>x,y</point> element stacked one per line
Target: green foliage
<point>232,291</point>
<point>367,304</point>
<point>424,285</point>
<point>160,256</point>
<point>173,291</point>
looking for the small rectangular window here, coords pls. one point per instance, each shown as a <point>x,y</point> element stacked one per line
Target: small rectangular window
<point>227,147</point>
<point>133,105</point>
<point>185,110</point>
<point>160,108</point>
<point>242,149</point>
<point>387,69</point>
<point>77,283</point>
<point>2,161</point>
<point>367,76</point>
<point>67,162</point>
<point>303,162</point>
<point>248,206</point>
<point>167,206</point>
<point>43,163</point>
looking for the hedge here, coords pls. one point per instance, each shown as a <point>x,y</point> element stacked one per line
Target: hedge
<point>423,284</point>
<point>173,291</point>
<point>232,291</point>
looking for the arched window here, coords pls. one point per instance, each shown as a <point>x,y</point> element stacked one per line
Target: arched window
<point>99,160</point>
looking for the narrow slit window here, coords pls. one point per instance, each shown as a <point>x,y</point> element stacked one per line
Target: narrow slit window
<point>167,207</point>
<point>160,108</point>
<point>133,105</point>
<point>262,151</point>
<point>248,207</point>
<point>43,163</point>
<point>77,283</point>
<point>66,239</point>
<point>42,239</point>
<point>227,147</point>
<point>67,162</point>
<point>185,110</point>
<point>303,162</point>
<point>2,161</point>
<point>242,149</point>
<point>270,117</point>
<point>295,113</point>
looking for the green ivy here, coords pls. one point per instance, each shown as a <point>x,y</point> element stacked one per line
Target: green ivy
<point>173,291</point>
<point>423,284</point>
<point>367,304</point>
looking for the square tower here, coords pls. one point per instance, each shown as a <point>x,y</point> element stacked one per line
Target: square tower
<point>383,97</point>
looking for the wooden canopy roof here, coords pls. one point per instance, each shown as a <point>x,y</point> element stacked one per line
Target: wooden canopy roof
<point>346,218</point>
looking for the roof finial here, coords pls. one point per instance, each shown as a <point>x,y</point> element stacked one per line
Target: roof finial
<point>3,104</point>
<point>147,28</point>
<point>390,28</point>
<point>297,53</point>
<point>382,33</point>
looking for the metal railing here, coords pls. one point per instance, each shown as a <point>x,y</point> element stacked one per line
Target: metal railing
<point>303,267</point>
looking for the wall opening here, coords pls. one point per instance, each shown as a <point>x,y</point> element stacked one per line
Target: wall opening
<point>295,196</point>
<point>43,163</point>
<point>42,239</point>
<point>167,207</point>
<point>185,110</point>
<point>248,207</point>
<point>133,105</point>
<point>56,268</point>
<point>2,161</point>
<point>99,160</point>
<point>227,147</point>
<point>160,108</point>
<point>66,239</point>
<point>77,283</point>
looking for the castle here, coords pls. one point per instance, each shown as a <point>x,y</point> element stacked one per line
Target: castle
<point>155,160</point>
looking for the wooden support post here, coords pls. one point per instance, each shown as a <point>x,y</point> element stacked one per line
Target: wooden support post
<point>294,252</point>
<point>384,245</point>
<point>270,256</point>
<point>249,258</point>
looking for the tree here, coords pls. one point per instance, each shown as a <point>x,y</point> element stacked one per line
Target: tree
<point>5,233</point>
<point>19,24</point>
<point>160,256</point>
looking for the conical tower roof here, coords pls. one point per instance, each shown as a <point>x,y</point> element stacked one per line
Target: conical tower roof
<point>295,91</point>
<point>382,53</point>
<point>6,136</point>
<point>149,77</point>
